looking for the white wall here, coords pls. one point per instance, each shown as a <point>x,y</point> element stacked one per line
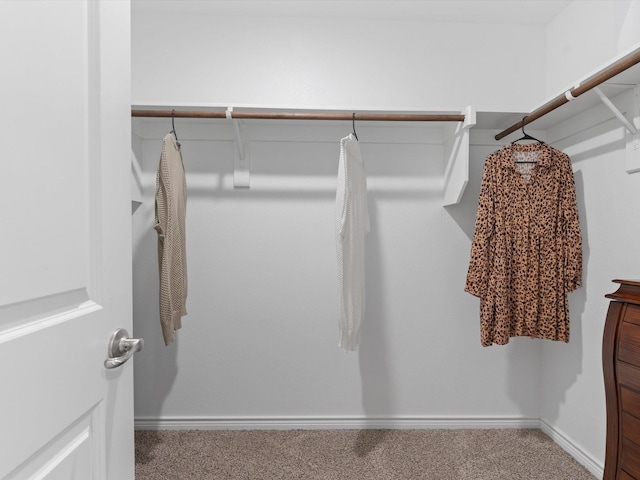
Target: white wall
<point>586,35</point>
<point>260,340</point>
<point>572,401</point>
<point>188,59</point>
<point>572,388</point>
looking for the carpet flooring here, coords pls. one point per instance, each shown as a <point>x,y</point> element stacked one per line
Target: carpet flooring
<point>353,454</point>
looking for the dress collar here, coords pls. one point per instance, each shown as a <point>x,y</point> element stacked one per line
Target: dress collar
<point>508,151</point>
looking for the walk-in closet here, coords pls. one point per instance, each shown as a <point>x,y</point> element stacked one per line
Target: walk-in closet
<point>260,105</point>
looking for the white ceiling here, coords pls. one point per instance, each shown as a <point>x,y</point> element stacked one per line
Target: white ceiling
<point>477,11</point>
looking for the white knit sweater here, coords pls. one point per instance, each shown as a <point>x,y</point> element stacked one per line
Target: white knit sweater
<point>170,208</point>
<point>352,223</point>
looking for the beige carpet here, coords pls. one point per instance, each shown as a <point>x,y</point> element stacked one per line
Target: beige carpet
<point>353,454</point>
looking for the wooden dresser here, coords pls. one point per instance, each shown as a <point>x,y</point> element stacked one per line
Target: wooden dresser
<point>621,366</point>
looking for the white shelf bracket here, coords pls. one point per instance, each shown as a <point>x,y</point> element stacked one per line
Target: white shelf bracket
<point>242,157</point>
<point>456,150</point>
<point>469,117</point>
<point>630,128</point>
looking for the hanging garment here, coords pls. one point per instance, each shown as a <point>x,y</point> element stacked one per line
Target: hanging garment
<point>352,223</point>
<point>170,208</point>
<point>527,248</point>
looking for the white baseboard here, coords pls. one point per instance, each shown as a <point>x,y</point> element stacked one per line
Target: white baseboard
<point>322,422</point>
<point>584,459</point>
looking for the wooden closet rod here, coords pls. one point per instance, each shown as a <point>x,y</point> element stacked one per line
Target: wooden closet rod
<point>616,68</point>
<point>389,117</point>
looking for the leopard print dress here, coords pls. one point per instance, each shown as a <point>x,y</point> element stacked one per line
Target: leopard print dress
<point>526,253</point>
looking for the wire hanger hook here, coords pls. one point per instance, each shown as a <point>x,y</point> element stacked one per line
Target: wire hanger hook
<point>522,127</point>
<point>525,135</point>
<point>353,120</point>
<point>173,126</point>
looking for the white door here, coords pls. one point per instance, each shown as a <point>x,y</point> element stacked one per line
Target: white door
<point>65,241</point>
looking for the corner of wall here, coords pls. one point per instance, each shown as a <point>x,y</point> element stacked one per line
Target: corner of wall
<point>586,35</point>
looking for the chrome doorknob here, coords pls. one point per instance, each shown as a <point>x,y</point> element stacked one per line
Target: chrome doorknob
<point>121,348</point>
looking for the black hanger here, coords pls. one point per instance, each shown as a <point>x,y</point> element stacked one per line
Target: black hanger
<point>353,119</point>
<point>173,126</point>
<point>525,135</point>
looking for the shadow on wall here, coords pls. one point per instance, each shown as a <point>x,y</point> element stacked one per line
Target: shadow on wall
<point>373,352</point>
<point>282,171</point>
<point>563,362</point>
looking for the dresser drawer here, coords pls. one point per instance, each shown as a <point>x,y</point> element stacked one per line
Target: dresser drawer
<point>631,428</point>
<point>630,458</point>
<point>632,315</point>
<point>629,343</point>
<point>625,476</point>
<point>630,401</point>
<point>628,375</point>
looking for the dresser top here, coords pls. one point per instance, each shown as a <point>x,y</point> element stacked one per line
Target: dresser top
<point>628,282</point>
<point>629,291</point>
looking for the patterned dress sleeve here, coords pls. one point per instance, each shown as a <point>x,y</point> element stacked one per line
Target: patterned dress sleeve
<point>570,230</point>
<point>478,273</point>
